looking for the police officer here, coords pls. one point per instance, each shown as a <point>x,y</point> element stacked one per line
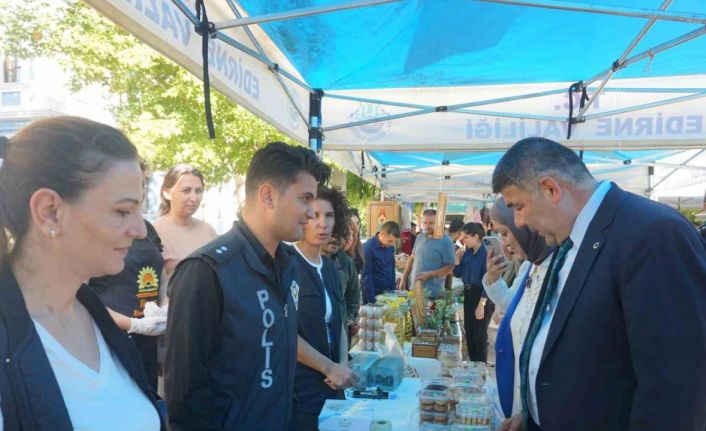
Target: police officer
<point>232,331</point>
<point>127,293</point>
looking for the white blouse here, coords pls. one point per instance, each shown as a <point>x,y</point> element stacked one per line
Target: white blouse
<point>499,293</point>
<point>105,400</point>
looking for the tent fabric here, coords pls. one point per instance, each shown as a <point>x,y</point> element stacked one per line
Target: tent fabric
<point>415,83</point>
<point>443,43</point>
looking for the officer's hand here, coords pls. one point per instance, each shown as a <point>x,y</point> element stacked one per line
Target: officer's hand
<point>154,325</point>
<point>512,424</point>
<point>341,377</point>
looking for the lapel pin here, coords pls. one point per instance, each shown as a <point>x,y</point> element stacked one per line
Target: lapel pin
<point>596,245</point>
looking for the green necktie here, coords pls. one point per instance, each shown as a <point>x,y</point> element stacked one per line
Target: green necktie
<point>537,324</point>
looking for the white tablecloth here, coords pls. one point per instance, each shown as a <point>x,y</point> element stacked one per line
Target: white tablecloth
<point>400,410</point>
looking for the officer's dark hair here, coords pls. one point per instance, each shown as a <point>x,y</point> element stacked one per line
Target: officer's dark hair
<point>473,229</point>
<point>532,158</point>
<point>429,212</point>
<point>391,228</point>
<point>171,178</point>
<point>341,212</point>
<point>455,225</point>
<point>65,154</point>
<point>280,164</point>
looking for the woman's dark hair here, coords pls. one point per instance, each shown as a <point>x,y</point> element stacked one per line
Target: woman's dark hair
<point>170,180</point>
<point>64,154</point>
<point>354,212</point>
<point>473,229</point>
<point>342,214</point>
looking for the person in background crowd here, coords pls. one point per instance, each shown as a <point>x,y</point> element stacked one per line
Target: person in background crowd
<point>233,304</point>
<point>378,273</point>
<point>349,281</point>
<point>70,209</point>
<point>454,233</point>
<point>517,302</point>
<point>431,260</point>
<point>181,233</point>
<point>477,310</point>
<point>322,348</point>
<point>127,294</point>
<point>619,327</point>
<point>354,247</point>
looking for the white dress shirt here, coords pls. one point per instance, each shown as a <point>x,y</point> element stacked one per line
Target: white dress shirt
<point>578,232</point>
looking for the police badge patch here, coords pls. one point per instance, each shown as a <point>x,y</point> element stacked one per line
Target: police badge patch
<point>295,293</point>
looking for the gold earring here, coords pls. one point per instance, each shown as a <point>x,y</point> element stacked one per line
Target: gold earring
<point>52,233</point>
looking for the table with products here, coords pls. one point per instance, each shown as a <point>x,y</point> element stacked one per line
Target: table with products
<point>440,392</point>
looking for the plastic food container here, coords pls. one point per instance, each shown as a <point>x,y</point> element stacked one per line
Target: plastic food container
<point>469,414</point>
<point>433,418</point>
<point>433,401</point>
<point>436,384</point>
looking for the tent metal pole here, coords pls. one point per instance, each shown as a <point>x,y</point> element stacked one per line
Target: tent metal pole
<point>655,50</point>
<point>254,54</point>
<point>673,166</point>
<point>450,107</point>
<point>618,64</point>
<point>650,90</point>
<point>298,13</point>
<point>316,135</point>
<point>510,115</point>
<point>186,11</point>
<point>432,110</point>
<point>275,71</point>
<point>646,106</point>
<point>676,169</point>
<point>689,17</point>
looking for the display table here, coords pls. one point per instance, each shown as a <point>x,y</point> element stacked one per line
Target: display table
<point>357,414</point>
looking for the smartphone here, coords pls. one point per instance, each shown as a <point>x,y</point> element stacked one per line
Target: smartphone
<point>493,243</point>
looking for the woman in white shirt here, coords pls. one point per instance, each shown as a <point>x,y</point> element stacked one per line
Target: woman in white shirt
<point>70,209</point>
<point>322,348</point>
<point>517,302</point>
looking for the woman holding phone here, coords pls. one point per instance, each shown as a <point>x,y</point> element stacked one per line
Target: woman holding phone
<point>477,310</point>
<point>518,301</point>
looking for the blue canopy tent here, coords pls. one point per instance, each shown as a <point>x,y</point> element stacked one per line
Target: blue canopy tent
<point>421,96</point>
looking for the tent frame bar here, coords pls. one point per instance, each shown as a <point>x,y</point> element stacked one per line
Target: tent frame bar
<point>580,118</point>
<point>298,13</point>
<point>689,17</point>
<point>618,64</point>
<point>664,178</point>
<point>646,106</point>
<point>274,70</point>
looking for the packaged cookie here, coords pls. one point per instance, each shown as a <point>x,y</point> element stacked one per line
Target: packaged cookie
<point>433,418</point>
<point>434,401</point>
<point>471,414</point>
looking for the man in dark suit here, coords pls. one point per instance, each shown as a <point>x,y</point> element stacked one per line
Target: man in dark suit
<point>618,337</point>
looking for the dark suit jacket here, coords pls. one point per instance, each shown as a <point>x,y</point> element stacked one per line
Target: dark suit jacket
<point>626,349</point>
<point>31,398</point>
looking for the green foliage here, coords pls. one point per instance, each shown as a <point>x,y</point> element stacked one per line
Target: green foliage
<point>690,214</point>
<point>359,193</point>
<point>158,104</point>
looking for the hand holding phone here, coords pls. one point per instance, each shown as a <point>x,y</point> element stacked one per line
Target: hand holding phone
<point>496,263</point>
